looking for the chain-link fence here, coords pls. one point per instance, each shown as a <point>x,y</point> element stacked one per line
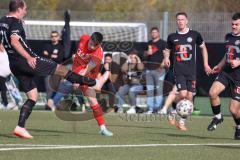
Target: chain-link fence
<point>212,26</point>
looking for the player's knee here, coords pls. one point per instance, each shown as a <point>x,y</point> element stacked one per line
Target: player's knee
<point>234,111</point>
<point>213,94</point>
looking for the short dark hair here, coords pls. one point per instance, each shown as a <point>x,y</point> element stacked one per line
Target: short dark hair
<point>54,32</point>
<point>154,28</point>
<point>108,55</point>
<point>97,37</point>
<point>181,13</point>
<point>236,16</point>
<point>15,4</point>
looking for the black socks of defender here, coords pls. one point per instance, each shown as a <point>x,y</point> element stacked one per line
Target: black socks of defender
<point>25,112</point>
<point>216,109</point>
<point>237,121</point>
<point>174,105</point>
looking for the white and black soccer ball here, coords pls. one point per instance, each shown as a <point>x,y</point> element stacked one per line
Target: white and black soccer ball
<point>184,108</point>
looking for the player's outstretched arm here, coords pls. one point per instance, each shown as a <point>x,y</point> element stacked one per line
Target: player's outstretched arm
<point>166,60</point>
<point>204,51</point>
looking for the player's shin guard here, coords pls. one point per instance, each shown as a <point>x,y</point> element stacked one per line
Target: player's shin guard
<point>216,109</point>
<point>174,105</point>
<point>237,121</point>
<point>75,78</point>
<point>25,112</point>
<point>98,114</point>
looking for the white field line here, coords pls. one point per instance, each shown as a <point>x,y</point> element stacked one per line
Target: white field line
<point>9,147</point>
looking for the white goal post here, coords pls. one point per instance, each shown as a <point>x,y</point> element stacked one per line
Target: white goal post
<point>133,32</point>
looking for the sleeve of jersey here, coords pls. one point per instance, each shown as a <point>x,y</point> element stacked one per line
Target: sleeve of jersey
<point>199,40</point>
<point>95,61</point>
<point>169,44</point>
<point>15,29</point>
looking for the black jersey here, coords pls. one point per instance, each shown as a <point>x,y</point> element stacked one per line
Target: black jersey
<point>12,26</point>
<point>183,46</point>
<point>57,50</point>
<point>153,61</point>
<point>232,50</point>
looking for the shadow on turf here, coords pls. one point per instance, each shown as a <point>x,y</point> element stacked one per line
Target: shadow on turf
<point>7,136</point>
<point>226,147</point>
<point>188,136</point>
<point>55,131</point>
<point>135,126</point>
<point>49,131</point>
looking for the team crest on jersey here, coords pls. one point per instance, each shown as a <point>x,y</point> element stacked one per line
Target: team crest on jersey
<point>83,55</point>
<point>237,42</point>
<point>189,39</point>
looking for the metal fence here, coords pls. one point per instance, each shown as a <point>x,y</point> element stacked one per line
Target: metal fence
<point>212,26</point>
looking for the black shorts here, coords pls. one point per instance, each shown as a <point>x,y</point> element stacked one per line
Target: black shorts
<point>228,81</point>
<point>25,74</point>
<point>186,82</point>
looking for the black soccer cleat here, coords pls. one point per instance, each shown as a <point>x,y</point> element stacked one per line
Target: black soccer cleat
<point>237,134</point>
<point>213,125</point>
<point>75,78</point>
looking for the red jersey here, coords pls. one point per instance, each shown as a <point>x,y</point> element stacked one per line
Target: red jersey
<point>85,56</point>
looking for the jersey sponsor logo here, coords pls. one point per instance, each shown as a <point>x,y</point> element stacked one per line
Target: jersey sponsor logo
<point>189,39</point>
<point>231,52</point>
<point>176,40</point>
<point>55,51</point>
<point>82,55</point>
<point>182,52</point>
<point>237,89</point>
<point>237,42</point>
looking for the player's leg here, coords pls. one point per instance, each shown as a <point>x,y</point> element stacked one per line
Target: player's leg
<point>3,90</point>
<point>101,80</point>
<point>217,87</point>
<point>97,110</point>
<point>169,100</point>
<point>185,94</point>
<point>181,83</point>
<point>29,87</point>
<point>47,67</point>
<point>235,107</point>
<point>73,77</point>
<point>235,111</point>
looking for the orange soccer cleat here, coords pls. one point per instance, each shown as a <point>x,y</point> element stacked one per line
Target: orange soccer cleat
<point>22,133</point>
<point>181,127</point>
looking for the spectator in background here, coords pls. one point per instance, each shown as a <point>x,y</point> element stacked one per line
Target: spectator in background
<point>155,72</point>
<point>132,70</point>
<point>4,72</point>
<point>55,52</point>
<point>108,85</point>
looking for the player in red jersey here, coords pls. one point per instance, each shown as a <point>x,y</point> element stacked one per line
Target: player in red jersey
<point>87,62</point>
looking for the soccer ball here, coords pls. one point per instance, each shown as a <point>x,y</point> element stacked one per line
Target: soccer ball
<point>184,108</point>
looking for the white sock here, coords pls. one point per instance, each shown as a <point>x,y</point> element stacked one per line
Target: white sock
<point>103,127</point>
<point>182,121</point>
<point>218,116</point>
<point>238,126</point>
<point>164,109</point>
